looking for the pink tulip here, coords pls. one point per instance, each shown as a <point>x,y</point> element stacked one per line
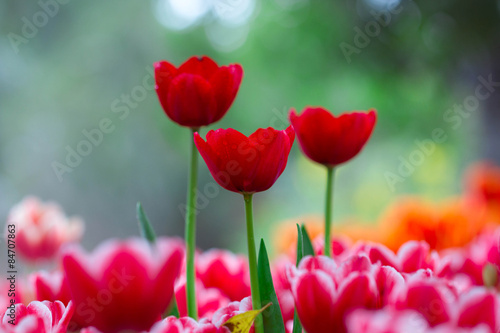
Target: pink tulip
<point>467,264</point>
<point>232,309</point>
<point>226,271</point>
<point>37,317</point>
<point>186,325</point>
<point>431,297</point>
<point>177,325</point>
<point>324,293</point>
<point>41,229</point>
<point>411,256</point>
<point>478,307</point>
<point>208,300</point>
<point>122,285</point>
<point>282,287</point>
<point>50,286</point>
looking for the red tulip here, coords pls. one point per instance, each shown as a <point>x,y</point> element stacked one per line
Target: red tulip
<point>246,164</point>
<point>123,285</point>
<point>199,92</point>
<point>331,140</point>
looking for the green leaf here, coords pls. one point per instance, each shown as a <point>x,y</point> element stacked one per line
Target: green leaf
<point>300,245</point>
<point>297,326</point>
<point>172,310</point>
<point>273,321</point>
<point>144,226</point>
<point>308,247</point>
<point>243,322</point>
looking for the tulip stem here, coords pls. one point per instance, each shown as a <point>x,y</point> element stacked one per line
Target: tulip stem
<point>190,232</point>
<point>328,210</point>
<point>252,261</point>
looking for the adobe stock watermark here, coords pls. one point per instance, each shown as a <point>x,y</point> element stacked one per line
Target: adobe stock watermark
<point>94,137</point>
<point>209,191</point>
<point>453,116</point>
<point>31,26</point>
<point>372,29</point>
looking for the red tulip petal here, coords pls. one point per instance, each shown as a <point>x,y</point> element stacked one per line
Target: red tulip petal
<point>226,271</point>
<point>380,253</point>
<point>357,263</point>
<point>225,164</point>
<point>164,74</point>
<point>313,128</point>
<point>191,101</point>
<point>389,281</point>
<point>357,291</point>
<point>103,283</point>
<point>313,293</point>
<point>238,155</point>
<point>323,263</point>
<point>412,256</point>
<point>269,146</point>
<point>202,66</point>
<point>273,148</point>
<point>429,301</point>
<point>65,319</point>
<point>479,307</point>
<point>40,310</point>
<point>225,84</point>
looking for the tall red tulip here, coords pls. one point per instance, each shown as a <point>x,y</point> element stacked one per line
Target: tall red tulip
<point>331,141</point>
<point>246,164</point>
<point>199,92</point>
<point>196,94</point>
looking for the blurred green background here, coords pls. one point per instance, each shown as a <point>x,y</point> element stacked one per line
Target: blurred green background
<point>64,71</point>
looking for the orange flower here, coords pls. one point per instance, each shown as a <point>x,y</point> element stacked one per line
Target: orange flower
<point>482,181</point>
<point>452,223</point>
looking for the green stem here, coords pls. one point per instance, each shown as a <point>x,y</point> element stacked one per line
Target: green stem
<point>190,232</point>
<point>328,210</point>
<point>252,261</point>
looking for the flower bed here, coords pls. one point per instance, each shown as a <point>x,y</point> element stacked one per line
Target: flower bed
<point>423,267</point>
